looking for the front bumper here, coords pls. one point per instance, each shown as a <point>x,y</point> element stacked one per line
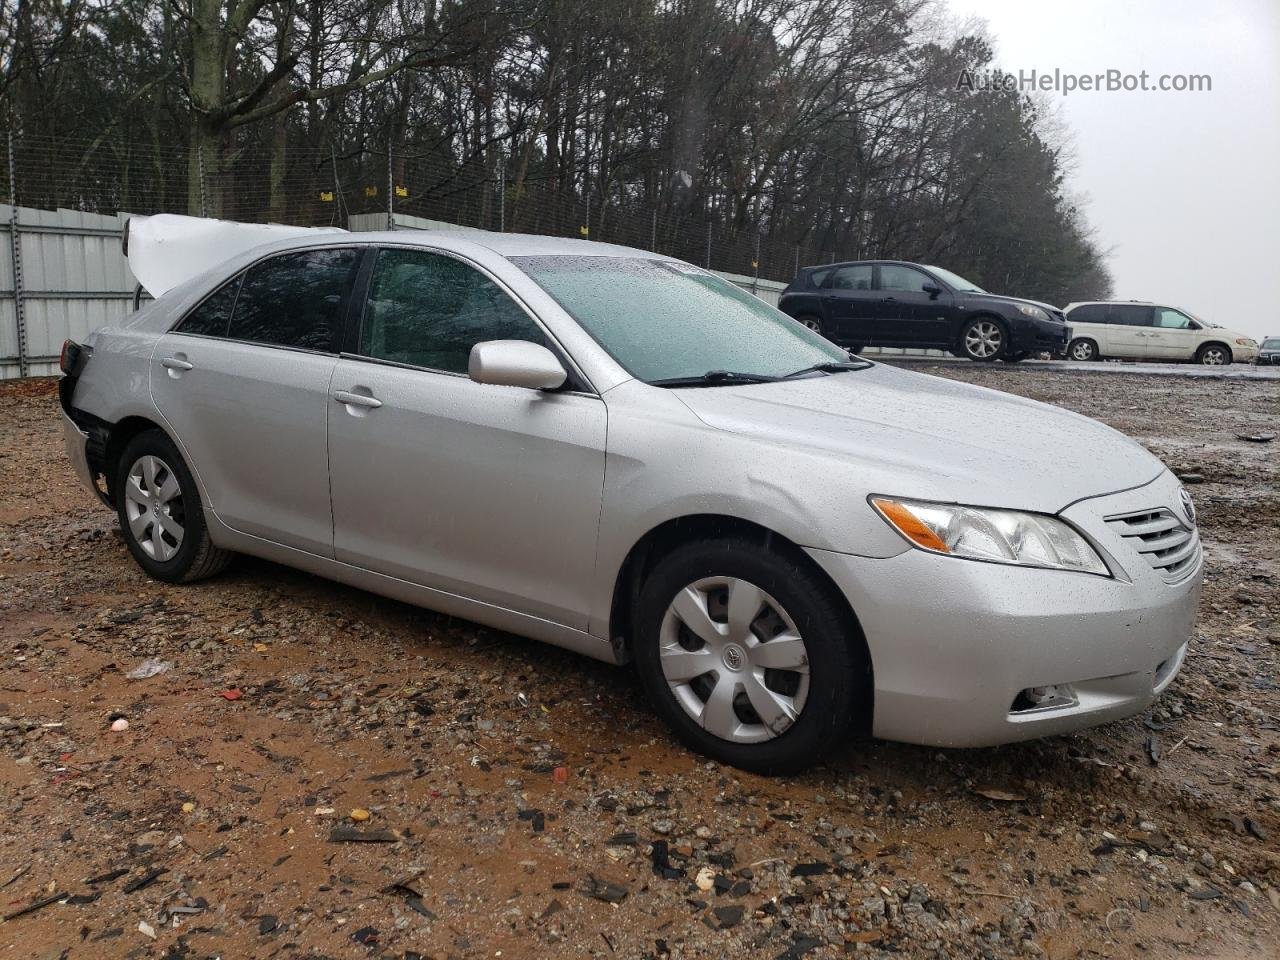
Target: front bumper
<point>1036,336</point>
<point>954,642</point>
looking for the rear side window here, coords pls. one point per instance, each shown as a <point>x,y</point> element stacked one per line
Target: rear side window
<point>296,299</point>
<point>852,278</point>
<point>1132,315</point>
<point>429,310</point>
<point>210,319</point>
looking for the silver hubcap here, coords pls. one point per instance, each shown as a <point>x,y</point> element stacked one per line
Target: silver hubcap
<point>1082,351</point>
<point>734,660</point>
<point>153,504</point>
<point>1213,357</point>
<point>812,324</point>
<point>984,339</point>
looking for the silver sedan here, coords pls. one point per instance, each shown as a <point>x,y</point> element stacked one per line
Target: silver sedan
<point>625,455</point>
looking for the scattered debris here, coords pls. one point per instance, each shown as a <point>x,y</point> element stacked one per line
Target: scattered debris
<point>151,667</point>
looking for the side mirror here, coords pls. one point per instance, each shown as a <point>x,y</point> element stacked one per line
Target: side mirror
<point>515,363</point>
<point>932,289</point>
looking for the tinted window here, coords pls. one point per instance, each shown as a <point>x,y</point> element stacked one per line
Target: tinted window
<point>1089,313</point>
<point>1131,316</point>
<point>894,277</point>
<point>296,299</point>
<point>429,310</point>
<point>1271,344</point>
<point>851,278</point>
<point>1172,319</point>
<point>210,319</point>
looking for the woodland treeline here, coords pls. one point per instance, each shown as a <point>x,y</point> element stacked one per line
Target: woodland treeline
<point>739,132</point>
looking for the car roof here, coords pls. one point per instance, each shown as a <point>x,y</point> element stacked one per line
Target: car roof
<point>863,263</point>
<point>462,241</point>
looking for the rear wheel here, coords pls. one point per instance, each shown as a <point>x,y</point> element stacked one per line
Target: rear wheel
<point>160,512</point>
<point>1083,349</point>
<point>983,339</point>
<point>812,322</point>
<point>747,656</point>
<point>1213,355</point>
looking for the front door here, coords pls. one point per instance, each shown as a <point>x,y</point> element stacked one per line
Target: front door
<point>243,382</point>
<point>914,316</point>
<point>488,492</point>
<point>1175,335</point>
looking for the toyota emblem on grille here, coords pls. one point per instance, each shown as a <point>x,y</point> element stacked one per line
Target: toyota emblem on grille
<point>1188,507</point>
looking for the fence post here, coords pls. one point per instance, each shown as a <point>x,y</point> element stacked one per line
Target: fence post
<point>755,265</point>
<point>653,233</point>
<point>391,192</point>
<point>204,203</point>
<point>502,191</point>
<point>15,249</point>
<point>708,263</point>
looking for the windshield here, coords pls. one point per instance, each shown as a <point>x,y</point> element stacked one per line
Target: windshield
<point>1271,344</point>
<point>664,321</point>
<point>955,281</point>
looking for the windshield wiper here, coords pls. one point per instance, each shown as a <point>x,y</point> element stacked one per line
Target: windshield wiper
<point>714,378</point>
<point>828,366</point>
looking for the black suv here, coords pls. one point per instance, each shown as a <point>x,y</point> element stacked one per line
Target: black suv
<point>888,303</point>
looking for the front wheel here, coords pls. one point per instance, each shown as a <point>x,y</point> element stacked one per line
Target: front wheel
<point>983,339</point>
<point>812,322</point>
<point>160,512</point>
<point>748,657</point>
<point>1213,355</point>
<point>1082,349</point>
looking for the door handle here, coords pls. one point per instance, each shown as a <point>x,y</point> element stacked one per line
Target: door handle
<point>173,363</point>
<point>357,399</point>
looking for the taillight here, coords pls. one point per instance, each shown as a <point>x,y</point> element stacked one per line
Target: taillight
<point>67,359</point>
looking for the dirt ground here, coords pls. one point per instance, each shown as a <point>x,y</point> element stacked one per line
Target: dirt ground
<point>524,802</point>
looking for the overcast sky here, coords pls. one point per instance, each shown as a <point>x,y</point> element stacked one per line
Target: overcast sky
<point>1183,188</point>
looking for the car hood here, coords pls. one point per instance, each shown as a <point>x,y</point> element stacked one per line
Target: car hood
<point>914,435</point>
<point>1048,307</point>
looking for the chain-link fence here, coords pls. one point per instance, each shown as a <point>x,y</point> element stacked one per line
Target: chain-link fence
<point>323,185</point>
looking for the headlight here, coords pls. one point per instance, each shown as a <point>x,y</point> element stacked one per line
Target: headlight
<point>1000,536</point>
<point>1032,311</point>
<point>1245,342</point>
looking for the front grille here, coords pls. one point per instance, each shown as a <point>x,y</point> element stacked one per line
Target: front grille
<point>1162,539</point>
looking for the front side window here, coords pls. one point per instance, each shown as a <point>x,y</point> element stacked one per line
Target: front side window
<point>295,299</point>
<point>210,319</point>
<point>663,320</point>
<point>857,277</point>
<point>894,277</point>
<point>428,310</point>
<point>1172,319</point>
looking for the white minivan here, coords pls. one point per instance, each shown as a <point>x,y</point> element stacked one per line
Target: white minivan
<point>1146,331</point>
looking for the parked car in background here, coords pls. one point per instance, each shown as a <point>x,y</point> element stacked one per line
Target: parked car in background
<point>1134,330</point>
<point>1269,350</point>
<point>626,455</point>
<point>889,303</point>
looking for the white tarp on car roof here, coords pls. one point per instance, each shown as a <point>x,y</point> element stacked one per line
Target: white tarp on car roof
<point>168,249</point>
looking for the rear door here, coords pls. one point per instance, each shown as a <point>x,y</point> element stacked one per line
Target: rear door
<point>911,314</point>
<point>1129,332</point>
<point>852,303</point>
<point>243,382</point>
<point>488,492</point>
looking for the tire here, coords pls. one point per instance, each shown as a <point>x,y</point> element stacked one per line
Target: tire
<point>810,710</point>
<point>1082,349</point>
<point>984,339</point>
<point>160,512</point>
<point>1213,355</point>
<point>857,348</point>
<point>812,322</point>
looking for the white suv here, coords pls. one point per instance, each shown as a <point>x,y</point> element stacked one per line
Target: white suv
<point>1147,331</point>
